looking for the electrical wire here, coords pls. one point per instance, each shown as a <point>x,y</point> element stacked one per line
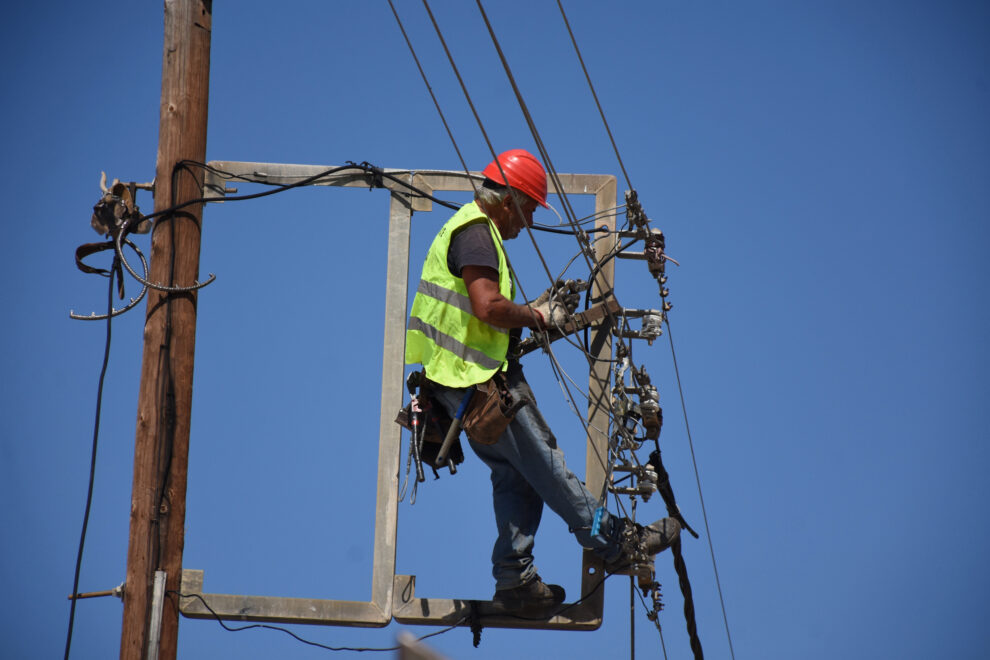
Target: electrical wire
<point>551,170</point>
<point>309,180</point>
<point>436,103</point>
<point>450,134</point>
<point>92,462</point>
<point>491,148</point>
<point>568,210</point>
<point>669,335</point>
<point>306,181</point>
<point>460,622</point>
<point>577,231</point>
<point>604,213</point>
<point>571,232</point>
<point>594,94</point>
<point>566,203</point>
<point>697,478</point>
<point>317,179</point>
<point>656,622</point>
<point>581,234</point>
<point>358,649</point>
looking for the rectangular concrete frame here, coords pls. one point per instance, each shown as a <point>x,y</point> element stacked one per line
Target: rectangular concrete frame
<point>393,596</point>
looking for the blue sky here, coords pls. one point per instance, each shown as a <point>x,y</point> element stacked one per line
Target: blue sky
<point>820,171</point>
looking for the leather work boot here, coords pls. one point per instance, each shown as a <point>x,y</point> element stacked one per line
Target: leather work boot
<point>530,597</point>
<point>640,544</point>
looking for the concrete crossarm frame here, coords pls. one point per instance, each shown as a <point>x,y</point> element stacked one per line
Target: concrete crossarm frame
<point>393,596</point>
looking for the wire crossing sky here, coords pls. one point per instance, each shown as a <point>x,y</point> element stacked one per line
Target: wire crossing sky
<point>818,170</point>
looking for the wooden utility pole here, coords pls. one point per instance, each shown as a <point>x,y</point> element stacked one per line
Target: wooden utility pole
<point>161,448</point>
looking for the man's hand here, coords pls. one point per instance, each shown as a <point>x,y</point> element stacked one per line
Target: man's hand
<point>551,313</point>
<point>556,304</point>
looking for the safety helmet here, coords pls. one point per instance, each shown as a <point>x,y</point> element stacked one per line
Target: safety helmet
<point>523,171</point>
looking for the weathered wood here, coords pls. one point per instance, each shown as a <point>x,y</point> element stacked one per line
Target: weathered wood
<point>161,447</point>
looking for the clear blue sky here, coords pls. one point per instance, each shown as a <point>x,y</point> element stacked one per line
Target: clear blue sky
<point>820,171</point>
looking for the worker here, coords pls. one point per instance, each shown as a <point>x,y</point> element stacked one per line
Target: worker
<point>462,320</point>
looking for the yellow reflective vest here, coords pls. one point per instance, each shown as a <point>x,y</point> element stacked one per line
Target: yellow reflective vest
<point>456,348</point>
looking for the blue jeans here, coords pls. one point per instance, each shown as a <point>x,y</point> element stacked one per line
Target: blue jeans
<point>528,470</point>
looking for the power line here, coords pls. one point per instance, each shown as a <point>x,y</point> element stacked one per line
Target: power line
<point>594,94</point>
<point>436,103</point>
<point>697,477</point>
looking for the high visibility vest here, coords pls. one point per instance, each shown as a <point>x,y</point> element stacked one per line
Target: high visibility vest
<point>456,348</point>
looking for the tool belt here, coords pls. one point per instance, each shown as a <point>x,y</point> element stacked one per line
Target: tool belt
<point>491,409</point>
<point>435,421</point>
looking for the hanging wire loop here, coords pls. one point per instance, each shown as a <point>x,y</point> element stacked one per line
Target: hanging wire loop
<point>144,281</point>
<point>134,301</point>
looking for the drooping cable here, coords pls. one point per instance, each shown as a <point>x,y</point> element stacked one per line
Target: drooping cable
<point>278,188</point>
<point>92,462</point>
<point>697,477</point>
<point>308,642</point>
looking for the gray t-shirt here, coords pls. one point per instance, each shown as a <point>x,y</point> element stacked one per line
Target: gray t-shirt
<point>472,246</point>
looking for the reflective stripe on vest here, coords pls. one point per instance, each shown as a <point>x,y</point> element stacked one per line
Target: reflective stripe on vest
<point>451,297</point>
<point>449,343</point>
<point>455,347</point>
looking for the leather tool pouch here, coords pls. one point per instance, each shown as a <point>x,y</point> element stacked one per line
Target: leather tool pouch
<point>491,409</point>
<point>435,424</point>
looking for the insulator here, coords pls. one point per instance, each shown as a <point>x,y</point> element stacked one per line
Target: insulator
<point>652,327</point>
<point>634,211</point>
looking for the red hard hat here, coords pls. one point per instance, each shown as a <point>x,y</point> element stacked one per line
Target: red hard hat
<point>523,171</point>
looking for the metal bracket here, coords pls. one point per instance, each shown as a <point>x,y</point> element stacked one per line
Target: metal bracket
<point>393,596</point>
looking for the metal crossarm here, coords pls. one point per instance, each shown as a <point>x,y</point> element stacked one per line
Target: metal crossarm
<point>393,596</point>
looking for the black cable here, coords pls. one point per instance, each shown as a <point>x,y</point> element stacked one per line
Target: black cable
<point>419,193</point>
<point>92,461</point>
<point>569,232</point>
<point>366,167</point>
<point>204,200</point>
<point>682,578</point>
<point>300,639</point>
<point>363,166</point>
<point>604,294</point>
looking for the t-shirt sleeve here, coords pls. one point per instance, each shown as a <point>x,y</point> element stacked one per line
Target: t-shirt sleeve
<point>472,246</point>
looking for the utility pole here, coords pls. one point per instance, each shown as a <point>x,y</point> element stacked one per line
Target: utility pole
<point>161,447</point>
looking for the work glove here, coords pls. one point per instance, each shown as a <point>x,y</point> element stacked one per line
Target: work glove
<point>558,302</point>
